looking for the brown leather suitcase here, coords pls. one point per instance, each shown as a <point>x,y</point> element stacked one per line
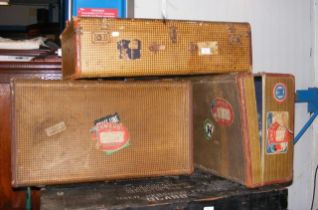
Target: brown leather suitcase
<point>82,131</point>
<point>100,47</point>
<point>15,199</point>
<point>243,134</point>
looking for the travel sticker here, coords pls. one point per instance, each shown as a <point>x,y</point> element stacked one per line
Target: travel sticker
<point>280,92</point>
<point>222,112</point>
<point>208,129</point>
<point>208,48</point>
<point>278,133</point>
<point>129,49</point>
<point>110,134</point>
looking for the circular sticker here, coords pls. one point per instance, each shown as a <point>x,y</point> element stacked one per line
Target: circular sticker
<point>208,128</point>
<point>280,92</point>
<point>222,112</point>
<point>112,136</point>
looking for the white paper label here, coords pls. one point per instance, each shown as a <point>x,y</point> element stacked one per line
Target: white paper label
<point>112,137</point>
<point>223,114</point>
<point>208,208</point>
<point>208,48</point>
<point>115,34</point>
<point>55,129</point>
<point>205,51</point>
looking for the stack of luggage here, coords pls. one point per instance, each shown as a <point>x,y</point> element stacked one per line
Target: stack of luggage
<point>145,98</point>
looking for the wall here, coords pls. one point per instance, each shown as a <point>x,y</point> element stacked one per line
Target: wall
<point>282,37</point>
<point>315,130</point>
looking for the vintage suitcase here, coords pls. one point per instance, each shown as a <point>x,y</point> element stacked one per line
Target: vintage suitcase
<point>100,47</point>
<point>243,134</point>
<point>15,199</point>
<point>82,131</point>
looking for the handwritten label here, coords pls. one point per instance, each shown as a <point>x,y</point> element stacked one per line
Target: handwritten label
<point>55,129</point>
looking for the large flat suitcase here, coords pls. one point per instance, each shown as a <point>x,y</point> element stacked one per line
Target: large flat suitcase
<point>100,47</point>
<point>82,131</point>
<point>243,134</point>
<point>15,199</point>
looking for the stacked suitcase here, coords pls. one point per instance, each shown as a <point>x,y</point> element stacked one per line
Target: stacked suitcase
<point>243,136</point>
<point>215,115</point>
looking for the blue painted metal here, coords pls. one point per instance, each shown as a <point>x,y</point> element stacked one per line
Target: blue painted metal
<point>306,126</point>
<point>310,97</point>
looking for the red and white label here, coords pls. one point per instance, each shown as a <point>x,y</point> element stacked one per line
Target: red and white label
<point>97,12</point>
<point>111,136</point>
<point>278,134</point>
<point>222,112</point>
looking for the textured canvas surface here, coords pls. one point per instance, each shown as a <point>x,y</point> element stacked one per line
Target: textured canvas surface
<point>243,136</point>
<point>67,132</point>
<point>100,47</point>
